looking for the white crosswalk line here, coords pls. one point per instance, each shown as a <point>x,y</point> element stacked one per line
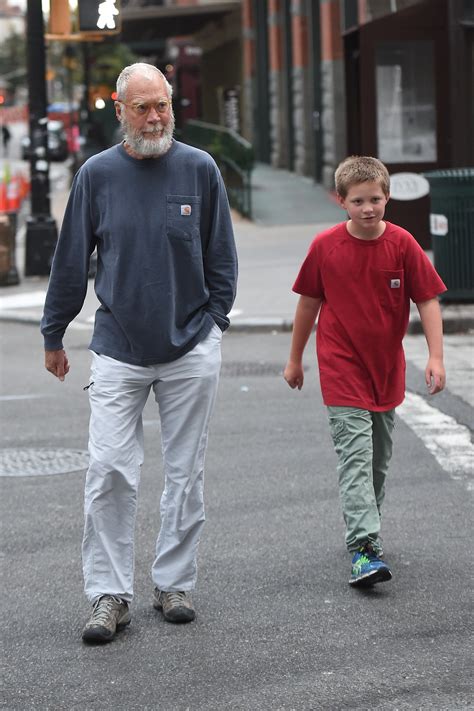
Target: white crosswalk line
<point>22,300</point>
<point>24,307</point>
<point>448,441</point>
<point>7,398</point>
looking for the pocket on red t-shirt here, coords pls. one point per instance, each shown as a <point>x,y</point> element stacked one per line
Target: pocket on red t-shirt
<point>390,287</point>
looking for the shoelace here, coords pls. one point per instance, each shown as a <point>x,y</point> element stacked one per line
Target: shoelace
<point>368,552</point>
<point>176,598</point>
<point>103,608</point>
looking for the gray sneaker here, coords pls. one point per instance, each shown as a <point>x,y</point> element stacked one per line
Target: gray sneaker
<point>175,606</point>
<point>109,615</point>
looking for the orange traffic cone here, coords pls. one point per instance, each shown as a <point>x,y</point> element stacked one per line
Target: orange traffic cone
<point>3,196</point>
<point>13,194</point>
<point>25,185</point>
<point>21,178</point>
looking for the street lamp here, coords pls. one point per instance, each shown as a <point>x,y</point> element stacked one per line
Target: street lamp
<point>41,230</point>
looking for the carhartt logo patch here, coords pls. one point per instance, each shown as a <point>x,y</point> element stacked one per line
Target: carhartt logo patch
<point>186,209</point>
<point>394,283</point>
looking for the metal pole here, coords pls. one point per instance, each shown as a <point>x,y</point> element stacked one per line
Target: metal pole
<point>70,59</point>
<point>314,22</point>
<point>85,111</point>
<point>41,231</point>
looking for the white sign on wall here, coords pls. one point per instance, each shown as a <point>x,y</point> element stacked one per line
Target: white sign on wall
<point>408,186</point>
<point>438,225</point>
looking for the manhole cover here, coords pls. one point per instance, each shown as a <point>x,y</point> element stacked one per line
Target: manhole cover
<point>42,462</point>
<point>249,368</point>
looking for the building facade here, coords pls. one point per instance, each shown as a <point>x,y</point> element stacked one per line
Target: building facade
<point>391,78</point>
<point>294,84</point>
<point>409,82</point>
<point>11,20</point>
<point>309,81</point>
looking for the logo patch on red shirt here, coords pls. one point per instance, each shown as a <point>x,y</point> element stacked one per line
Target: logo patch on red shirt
<point>394,283</point>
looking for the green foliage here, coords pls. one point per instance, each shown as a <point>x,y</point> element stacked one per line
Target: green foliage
<point>13,60</point>
<point>221,143</point>
<point>216,147</point>
<point>107,59</point>
<point>234,156</point>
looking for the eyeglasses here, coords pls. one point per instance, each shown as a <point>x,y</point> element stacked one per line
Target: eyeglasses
<point>161,107</point>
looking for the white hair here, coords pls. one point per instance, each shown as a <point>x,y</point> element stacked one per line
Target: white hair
<point>147,70</point>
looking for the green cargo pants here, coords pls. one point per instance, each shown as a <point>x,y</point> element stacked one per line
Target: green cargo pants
<point>363,443</point>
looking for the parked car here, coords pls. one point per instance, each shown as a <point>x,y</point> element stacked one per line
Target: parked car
<point>57,142</point>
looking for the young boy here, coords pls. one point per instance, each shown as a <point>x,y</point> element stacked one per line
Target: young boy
<point>360,276</point>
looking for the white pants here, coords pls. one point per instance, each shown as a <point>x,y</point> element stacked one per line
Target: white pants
<point>185,392</point>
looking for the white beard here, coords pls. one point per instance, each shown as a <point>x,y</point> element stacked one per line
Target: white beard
<point>148,147</point>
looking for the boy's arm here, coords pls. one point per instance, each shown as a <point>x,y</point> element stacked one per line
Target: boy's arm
<point>430,315</point>
<point>305,317</point>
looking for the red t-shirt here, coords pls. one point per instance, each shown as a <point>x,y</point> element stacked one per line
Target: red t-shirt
<point>366,287</point>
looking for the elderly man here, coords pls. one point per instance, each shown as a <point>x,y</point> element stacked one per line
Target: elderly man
<point>157,211</point>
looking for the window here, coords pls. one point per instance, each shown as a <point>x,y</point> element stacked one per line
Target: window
<point>405,96</point>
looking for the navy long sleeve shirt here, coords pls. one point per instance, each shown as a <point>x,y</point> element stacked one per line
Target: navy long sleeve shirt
<point>167,264</point>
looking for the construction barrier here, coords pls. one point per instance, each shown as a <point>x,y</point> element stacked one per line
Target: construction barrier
<point>8,271</point>
<point>13,194</point>
<point>14,188</point>
<point>14,114</point>
<point>3,196</point>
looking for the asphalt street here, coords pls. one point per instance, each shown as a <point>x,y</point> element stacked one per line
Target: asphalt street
<point>277,626</point>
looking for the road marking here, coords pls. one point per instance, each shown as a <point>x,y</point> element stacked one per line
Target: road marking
<point>31,299</point>
<point>20,301</point>
<point>7,398</point>
<point>446,439</point>
<point>458,358</point>
<point>80,325</point>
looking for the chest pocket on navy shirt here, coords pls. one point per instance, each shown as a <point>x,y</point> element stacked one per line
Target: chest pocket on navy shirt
<point>183,213</point>
<point>390,287</point>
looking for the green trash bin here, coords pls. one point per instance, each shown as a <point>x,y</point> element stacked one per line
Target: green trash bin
<point>452,230</point>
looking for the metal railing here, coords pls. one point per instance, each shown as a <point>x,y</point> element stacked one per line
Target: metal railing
<point>232,153</point>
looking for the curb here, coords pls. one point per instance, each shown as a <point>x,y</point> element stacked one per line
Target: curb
<point>450,326</point>
<point>462,323</point>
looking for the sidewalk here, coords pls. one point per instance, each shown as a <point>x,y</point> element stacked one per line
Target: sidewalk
<point>288,210</point>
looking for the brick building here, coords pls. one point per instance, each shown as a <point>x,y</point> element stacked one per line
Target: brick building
<point>391,78</point>
<point>310,81</point>
<point>294,84</point>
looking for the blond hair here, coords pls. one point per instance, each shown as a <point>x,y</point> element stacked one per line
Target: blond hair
<point>361,169</point>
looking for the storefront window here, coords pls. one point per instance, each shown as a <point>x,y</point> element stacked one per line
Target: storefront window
<point>406,111</point>
<point>373,9</point>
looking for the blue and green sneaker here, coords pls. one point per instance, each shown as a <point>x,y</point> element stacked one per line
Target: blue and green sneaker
<point>368,569</point>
